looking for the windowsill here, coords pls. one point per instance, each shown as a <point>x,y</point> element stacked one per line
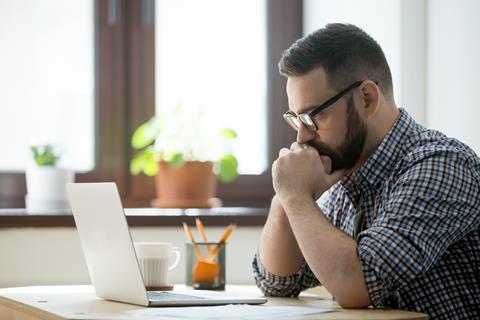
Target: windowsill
<point>140,217</point>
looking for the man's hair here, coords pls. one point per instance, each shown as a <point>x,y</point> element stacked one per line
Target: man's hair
<point>346,53</point>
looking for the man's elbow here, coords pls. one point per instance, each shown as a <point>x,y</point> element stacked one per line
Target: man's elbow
<point>349,301</point>
<point>350,290</point>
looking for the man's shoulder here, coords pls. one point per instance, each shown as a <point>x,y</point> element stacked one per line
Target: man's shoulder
<point>427,145</point>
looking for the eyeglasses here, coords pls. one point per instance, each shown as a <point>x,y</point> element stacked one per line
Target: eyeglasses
<point>307,118</point>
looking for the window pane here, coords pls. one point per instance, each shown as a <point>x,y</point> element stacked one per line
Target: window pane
<point>211,55</point>
<point>47,80</point>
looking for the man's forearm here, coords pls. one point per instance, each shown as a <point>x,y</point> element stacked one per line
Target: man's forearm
<point>279,251</point>
<point>330,253</point>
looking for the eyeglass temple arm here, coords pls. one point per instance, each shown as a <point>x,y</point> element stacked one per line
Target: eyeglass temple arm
<point>337,96</point>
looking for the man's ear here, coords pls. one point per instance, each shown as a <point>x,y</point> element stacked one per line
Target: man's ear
<point>369,96</point>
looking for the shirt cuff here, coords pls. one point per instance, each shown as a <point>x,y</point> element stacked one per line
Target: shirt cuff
<point>289,286</point>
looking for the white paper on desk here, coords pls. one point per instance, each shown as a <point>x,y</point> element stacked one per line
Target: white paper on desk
<point>242,311</point>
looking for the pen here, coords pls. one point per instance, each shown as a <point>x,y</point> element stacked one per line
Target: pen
<point>202,234</point>
<point>225,235</point>
<point>198,253</point>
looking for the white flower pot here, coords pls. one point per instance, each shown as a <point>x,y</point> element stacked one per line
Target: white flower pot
<point>46,187</point>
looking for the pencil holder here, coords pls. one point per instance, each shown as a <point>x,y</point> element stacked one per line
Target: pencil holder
<point>207,273</point>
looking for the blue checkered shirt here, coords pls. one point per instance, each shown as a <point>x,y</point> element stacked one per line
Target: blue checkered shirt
<point>418,196</point>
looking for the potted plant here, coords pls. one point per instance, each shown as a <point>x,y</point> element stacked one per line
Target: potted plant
<point>185,154</point>
<point>45,180</point>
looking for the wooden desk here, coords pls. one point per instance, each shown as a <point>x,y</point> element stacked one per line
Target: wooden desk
<point>80,302</point>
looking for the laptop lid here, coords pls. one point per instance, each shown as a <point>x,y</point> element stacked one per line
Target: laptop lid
<point>106,242</point>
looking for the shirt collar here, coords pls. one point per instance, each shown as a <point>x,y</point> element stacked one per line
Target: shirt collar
<point>382,161</point>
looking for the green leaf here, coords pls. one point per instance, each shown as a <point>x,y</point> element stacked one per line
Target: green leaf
<point>228,168</point>
<point>44,155</point>
<point>138,163</point>
<point>228,133</point>
<point>146,133</point>
<point>176,160</point>
<point>145,162</point>
<point>151,167</point>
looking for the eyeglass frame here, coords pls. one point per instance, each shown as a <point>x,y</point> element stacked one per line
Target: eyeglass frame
<point>306,118</point>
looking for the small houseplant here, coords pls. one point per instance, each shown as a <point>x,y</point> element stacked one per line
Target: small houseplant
<point>45,180</point>
<point>184,153</point>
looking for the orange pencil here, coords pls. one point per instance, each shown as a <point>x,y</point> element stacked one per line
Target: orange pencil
<point>202,234</point>
<point>225,235</point>
<point>198,253</point>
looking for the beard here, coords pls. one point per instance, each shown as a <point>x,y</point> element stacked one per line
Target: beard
<point>349,152</point>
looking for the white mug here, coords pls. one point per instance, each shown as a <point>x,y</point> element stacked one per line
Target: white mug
<point>154,261</point>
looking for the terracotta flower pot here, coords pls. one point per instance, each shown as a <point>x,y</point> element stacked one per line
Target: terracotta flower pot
<point>192,185</point>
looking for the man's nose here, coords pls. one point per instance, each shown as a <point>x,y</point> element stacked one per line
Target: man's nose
<point>304,135</point>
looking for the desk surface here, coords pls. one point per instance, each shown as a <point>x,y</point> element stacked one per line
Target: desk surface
<point>80,302</point>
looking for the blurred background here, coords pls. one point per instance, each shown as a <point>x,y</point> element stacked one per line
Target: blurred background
<point>84,74</point>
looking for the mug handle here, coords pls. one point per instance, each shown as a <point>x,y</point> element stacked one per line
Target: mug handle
<point>177,259</point>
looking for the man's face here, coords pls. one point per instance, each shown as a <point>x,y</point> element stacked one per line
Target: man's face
<point>341,134</point>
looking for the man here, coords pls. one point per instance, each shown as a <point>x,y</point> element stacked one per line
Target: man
<point>397,224</point>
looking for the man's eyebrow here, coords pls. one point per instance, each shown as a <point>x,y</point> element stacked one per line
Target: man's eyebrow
<point>309,108</point>
<point>306,109</point>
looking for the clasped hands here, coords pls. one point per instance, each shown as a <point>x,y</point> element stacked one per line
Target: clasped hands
<point>301,173</point>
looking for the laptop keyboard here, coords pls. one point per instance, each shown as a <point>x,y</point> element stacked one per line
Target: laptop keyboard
<point>169,296</point>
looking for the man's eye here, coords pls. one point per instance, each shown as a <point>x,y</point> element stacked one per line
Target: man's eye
<point>319,115</point>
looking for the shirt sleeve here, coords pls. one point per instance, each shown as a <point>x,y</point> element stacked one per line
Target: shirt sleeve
<point>290,286</point>
<point>433,204</point>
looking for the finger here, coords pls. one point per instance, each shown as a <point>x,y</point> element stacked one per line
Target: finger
<point>295,146</point>
<point>283,152</point>
<point>327,163</point>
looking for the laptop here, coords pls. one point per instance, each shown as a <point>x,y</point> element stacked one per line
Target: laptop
<point>111,258</point>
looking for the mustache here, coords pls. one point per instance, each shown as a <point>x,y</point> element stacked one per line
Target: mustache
<point>337,160</point>
<point>323,150</point>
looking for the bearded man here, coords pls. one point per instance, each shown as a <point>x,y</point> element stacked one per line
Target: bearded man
<point>368,203</point>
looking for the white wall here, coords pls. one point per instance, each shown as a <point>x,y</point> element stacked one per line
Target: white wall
<point>370,15</point>
<point>413,48</point>
<point>433,49</point>
<point>42,256</point>
<point>454,69</point>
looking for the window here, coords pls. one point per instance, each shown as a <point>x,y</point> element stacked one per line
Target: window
<point>217,63</point>
<point>116,69</point>
<point>283,25</point>
<point>47,77</point>
<point>69,90</point>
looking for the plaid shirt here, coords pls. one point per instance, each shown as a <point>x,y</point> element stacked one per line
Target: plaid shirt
<point>418,196</point>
